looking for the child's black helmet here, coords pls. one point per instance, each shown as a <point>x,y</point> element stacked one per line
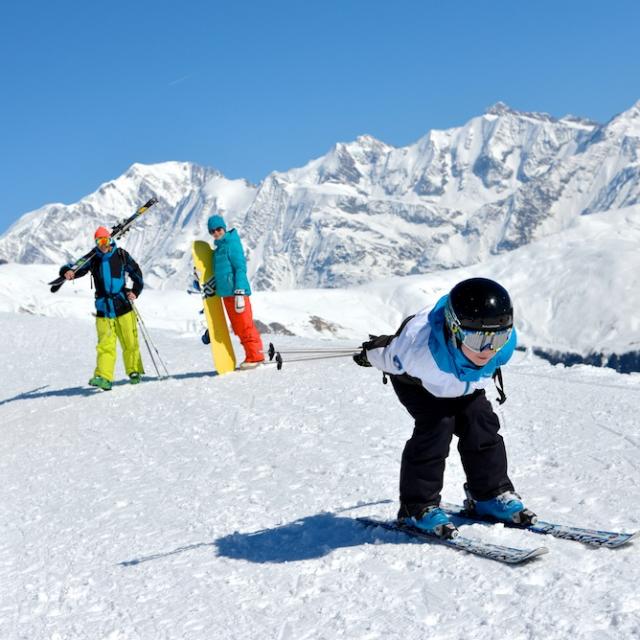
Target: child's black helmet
<point>479,304</point>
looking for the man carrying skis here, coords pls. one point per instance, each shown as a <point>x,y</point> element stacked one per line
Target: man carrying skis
<point>232,285</point>
<point>439,362</point>
<point>115,317</point>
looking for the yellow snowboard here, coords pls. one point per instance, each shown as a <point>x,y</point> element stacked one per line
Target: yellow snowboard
<point>224,359</point>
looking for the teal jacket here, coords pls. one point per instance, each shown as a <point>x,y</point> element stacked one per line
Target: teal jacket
<point>230,265</point>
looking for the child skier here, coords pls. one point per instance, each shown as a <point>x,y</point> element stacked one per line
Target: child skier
<point>232,285</point>
<point>114,312</point>
<point>439,362</point>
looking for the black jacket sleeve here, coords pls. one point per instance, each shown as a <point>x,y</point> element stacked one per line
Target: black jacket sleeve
<point>132,268</point>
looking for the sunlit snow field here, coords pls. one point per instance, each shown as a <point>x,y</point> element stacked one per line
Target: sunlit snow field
<point>222,507</point>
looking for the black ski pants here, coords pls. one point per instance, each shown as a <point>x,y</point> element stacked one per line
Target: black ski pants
<point>437,420</point>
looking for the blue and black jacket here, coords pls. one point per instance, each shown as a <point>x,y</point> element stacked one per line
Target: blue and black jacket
<point>108,271</point>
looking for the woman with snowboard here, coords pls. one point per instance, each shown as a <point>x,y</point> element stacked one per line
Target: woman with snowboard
<point>115,317</point>
<point>232,285</point>
<point>439,362</point>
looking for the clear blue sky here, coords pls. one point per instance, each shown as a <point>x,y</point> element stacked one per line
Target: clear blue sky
<point>88,88</point>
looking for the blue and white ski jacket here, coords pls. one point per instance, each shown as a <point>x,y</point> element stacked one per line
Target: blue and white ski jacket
<point>422,350</point>
<point>108,271</point>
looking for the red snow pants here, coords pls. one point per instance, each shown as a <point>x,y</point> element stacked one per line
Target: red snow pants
<point>243,326</point>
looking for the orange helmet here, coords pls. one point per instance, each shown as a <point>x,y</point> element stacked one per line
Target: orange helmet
<point>101,232</point>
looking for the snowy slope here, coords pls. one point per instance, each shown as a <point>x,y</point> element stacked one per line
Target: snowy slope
<point>365,210</point>
<point>222,507</point>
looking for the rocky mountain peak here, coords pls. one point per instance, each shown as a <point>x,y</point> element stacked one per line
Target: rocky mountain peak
<point>366,209</point>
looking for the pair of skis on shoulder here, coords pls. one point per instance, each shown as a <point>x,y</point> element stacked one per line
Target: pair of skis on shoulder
<point>502,553</point>
<point>117,232</point>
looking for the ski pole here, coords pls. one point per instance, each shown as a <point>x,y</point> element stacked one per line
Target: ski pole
<point>144,337</point>
<point>160,360</point>
<point>155,366</point>
<point>272,350</point>
<point>147,339</point>
<point>345,350</point>
<point>278,361</point>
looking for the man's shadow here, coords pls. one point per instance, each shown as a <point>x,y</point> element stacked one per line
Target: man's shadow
<point>39,392</point>
<point>304,539</point>
<point>70,392</point>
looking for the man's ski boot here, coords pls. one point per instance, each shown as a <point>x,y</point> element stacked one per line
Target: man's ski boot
<point>505,507</point>
<point>134,378</point>
<point>206,339</point>
<point>101,383</point>
<point>434,521</point>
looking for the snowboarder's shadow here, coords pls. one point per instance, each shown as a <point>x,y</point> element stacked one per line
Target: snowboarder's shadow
<point>194,374</point>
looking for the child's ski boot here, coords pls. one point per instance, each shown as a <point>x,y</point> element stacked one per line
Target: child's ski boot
<point>434,521</point>
<point>505,507</point>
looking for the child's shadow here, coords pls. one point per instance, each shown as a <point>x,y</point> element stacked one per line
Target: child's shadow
<point>310,537</point>
<point>304,539</point>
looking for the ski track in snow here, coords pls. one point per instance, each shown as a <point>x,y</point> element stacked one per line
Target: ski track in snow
<point>221,507</point>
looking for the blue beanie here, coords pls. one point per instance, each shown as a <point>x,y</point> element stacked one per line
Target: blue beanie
<point>216,221</point>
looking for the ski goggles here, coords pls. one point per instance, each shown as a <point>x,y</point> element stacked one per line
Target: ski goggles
<point>103,241</point>
<point>479,341</point>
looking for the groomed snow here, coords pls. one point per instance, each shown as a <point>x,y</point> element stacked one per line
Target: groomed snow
<point>222,507</point>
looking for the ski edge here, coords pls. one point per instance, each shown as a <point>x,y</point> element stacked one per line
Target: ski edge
<point>499,553</point>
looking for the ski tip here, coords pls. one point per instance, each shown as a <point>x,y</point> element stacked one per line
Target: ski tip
<point>148,204</point>
<point>621,539</point>
<point>526,555</point>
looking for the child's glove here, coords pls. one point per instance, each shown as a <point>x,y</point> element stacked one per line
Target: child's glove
<point>239,300</point>
<point>361,358</point>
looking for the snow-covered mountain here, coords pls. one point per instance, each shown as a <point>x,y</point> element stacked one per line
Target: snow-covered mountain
<point>576,296</point>
<point>160,240</point>
<point>366,210</point>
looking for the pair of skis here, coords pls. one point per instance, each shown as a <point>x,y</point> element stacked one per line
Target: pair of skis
<point>501,553</point>
<point>116,232</point>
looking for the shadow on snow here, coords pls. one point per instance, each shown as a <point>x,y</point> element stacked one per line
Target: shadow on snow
<point>53,393</point>
<point>38,392</point>
<point>304,539</point>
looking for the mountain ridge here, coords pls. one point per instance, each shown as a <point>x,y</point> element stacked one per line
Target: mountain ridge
<point>365,209</point>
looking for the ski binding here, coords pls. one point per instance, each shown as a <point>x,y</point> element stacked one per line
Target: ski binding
<point>500,553</point>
